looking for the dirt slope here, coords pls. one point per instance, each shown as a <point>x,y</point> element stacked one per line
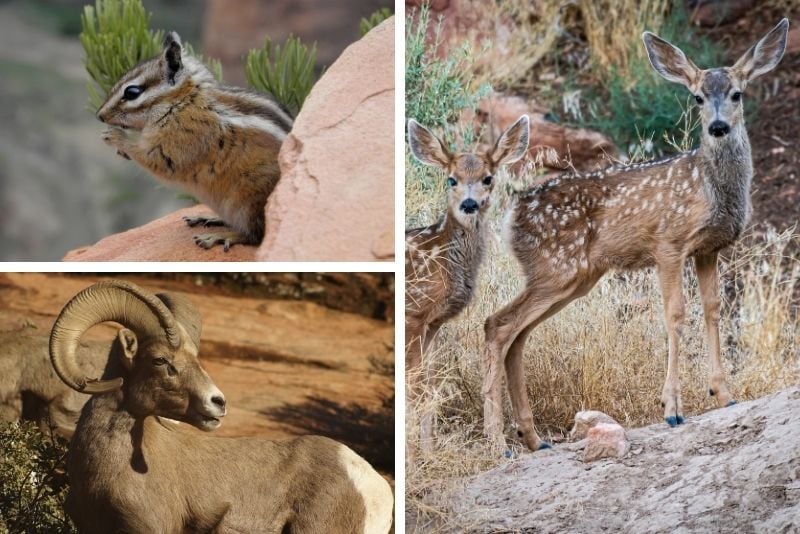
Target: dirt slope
<point>730,470</point>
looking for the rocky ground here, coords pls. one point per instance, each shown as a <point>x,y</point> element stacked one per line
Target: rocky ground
<point>287,367</point>
<point>730,470</point>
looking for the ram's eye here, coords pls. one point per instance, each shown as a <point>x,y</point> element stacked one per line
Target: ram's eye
<point>698,99</point>
<point>160,361</point>
<point>451,182</point>
<point>487,180</point>
<point>132,92</point>
<point>736,96</point>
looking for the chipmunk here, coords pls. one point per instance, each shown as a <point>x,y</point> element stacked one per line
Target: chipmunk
<point>218,143</point>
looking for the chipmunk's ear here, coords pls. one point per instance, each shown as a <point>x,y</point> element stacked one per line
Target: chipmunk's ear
<point>172,55</point>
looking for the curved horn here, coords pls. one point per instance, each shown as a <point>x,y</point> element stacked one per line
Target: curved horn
<point>117,301</point>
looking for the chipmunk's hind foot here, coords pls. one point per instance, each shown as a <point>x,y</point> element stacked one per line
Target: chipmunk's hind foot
<point>203,221</point>
<point>226,239</point>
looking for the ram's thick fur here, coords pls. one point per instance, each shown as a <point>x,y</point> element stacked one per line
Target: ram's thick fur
<point>130,470</point>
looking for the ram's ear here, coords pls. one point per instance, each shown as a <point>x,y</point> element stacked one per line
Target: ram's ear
<point>130,345</point>
<point>426,147</point>
<point>173,61</point>
<point>513,144</point>
<point>765,54</point>
<point>669,61</point>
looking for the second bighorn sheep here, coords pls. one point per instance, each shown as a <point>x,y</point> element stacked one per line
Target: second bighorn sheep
<point>132,471</point>
<point>30,388</point>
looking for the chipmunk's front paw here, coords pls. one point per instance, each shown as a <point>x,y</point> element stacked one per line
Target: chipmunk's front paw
<point>226,239</point>
<point>203,221</point>
<point>116,137</point>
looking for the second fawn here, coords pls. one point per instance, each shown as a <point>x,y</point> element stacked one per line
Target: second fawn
<point>442,260</point>
<point>569,231</point>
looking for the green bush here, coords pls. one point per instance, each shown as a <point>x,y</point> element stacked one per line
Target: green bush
<point>439,90</point>
<point>640,110</point>
<point>367,23</point>
<point>116,36</point>
<point>287,72</point>
<point>32,481</point>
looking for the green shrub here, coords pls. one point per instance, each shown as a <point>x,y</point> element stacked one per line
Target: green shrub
<point>287,72</point>
<point>116,36</point>
<point>32,481</point>
<point>639,110</point>
<point>438,92</point>
<point>367,23</point>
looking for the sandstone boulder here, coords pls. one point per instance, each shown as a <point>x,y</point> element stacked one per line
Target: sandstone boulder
<point>165,239</point>
<point>335,199</point>
<point>605,440</point>
<point>586,420</point>
<point>586,149</point>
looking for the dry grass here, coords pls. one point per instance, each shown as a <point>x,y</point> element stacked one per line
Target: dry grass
<point>524,33</point>
<point>606,352</point>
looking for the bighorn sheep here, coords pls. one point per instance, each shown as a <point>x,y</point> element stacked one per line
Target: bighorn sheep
<point>131,471</point>
<point>30,388</point>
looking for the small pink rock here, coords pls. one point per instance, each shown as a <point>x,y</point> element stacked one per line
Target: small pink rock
<point>587,419</point>
<point>605,440</point>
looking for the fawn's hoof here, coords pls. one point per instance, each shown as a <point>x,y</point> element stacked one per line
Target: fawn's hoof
<point>544,445</point>
<point>730,403</point>
<point>674,421</point>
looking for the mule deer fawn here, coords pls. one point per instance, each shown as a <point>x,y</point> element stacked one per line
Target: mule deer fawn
<point>442,260</point>
<point>567,232</point>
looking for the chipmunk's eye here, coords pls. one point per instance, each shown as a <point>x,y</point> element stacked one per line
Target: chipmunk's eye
<point>698,99</point>
<point>132,92</point>
<point>736,96</point>
<point>487,180</point>
<point>451,182</point>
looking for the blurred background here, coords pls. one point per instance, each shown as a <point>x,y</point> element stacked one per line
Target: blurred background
<point>60,186</point>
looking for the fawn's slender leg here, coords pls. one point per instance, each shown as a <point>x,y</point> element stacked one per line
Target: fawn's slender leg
<point>515,370</point>
<point>428,418</point>
<point>708,280</point>
<point>670,275</point>
<point>527,309</point>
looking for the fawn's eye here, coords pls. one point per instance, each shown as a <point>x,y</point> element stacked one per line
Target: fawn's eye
<point>736,96</point>
<point>487,180</point>
<point>451,182</point>
<point>132,92</point>
<point>160,361</point>
<point>698,99</point>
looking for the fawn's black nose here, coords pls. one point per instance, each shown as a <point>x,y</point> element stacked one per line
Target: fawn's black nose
<point>718,128</point>
<point>469,206</point>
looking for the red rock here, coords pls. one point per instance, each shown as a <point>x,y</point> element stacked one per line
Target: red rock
<point>335,198</point>
<point>586,420</point>
<point>585,148</point>
<point>605,440</point>
<point>714,12</point>
<point>793,41</point>
<point>165,239</point>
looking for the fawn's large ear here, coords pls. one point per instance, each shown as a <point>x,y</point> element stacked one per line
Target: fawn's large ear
<point>765,54</point>
<point>426,147</point>
<point>669,61</point>
<point>513,144</point>
<point>172,55</point>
